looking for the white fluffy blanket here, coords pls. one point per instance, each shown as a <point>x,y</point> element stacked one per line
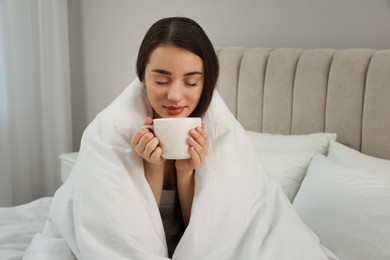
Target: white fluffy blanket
<point>106,209</point>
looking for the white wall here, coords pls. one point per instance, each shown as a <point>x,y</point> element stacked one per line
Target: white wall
<point>105,35</point>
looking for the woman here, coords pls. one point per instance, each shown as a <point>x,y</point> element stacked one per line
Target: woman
<point>179,68</point>
<point>108,207</point>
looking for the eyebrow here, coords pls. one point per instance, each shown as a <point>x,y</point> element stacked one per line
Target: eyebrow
<point>160,71</point>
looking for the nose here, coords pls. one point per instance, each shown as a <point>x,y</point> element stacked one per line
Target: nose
<point>175,92</point>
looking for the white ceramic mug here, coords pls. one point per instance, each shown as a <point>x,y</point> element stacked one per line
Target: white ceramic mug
<point>173,134</point>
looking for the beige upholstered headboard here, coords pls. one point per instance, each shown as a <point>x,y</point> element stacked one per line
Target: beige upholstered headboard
<point>294,91</point>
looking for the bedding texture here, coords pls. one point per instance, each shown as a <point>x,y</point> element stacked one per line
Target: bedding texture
<point>106,209</point>
<point>19,224</point>
<point>348,208</point>
<point>353,159</point>
<point>286,157</point>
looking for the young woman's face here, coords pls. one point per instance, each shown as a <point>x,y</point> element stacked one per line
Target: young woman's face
<point>174,80</point>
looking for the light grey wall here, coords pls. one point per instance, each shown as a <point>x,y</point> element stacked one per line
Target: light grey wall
<point>105,35</point>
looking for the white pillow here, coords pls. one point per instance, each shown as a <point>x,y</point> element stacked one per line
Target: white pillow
<point>352,158</point>
<point>287,169</point>
<point>286,157</point>
<point>317,142</point>
<point>349,209</point>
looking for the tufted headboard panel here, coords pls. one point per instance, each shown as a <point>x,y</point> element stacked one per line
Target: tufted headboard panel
<point>295,91</point>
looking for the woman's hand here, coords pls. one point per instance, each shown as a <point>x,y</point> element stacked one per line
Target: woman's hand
<point>145,144</point>
<point>198,142</point>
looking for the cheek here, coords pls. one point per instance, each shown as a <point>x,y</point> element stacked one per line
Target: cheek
<point>154,95</point>
<point>150,88</point>
<point>196,96</point>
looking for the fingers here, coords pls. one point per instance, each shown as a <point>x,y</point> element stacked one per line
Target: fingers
<point>148,148</point>
<point>142,131</point>
<point>200,136</point>
<point>148,121</point>
<point>155,156</point>
<point>150,142</point>
<point>198,142</point>
<point>145,144</point>
<point>137,136</point>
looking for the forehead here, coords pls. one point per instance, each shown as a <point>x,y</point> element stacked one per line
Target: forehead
<point>174,59</point>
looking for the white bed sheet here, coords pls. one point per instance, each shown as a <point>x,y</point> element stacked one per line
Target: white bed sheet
<point>19,224</point>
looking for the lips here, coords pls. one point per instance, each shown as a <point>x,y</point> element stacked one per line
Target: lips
<point>174,110</point>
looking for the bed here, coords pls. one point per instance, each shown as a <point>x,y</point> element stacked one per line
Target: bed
<point>319,122</point>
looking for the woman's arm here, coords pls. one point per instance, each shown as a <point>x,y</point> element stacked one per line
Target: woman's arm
<point>146,145</point>
<point>185,169</point>
<point>185,188</point>
<point>154,174</point>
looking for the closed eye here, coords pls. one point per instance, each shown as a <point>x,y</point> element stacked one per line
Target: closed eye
<point>192,84</point>
<point>157,82</point>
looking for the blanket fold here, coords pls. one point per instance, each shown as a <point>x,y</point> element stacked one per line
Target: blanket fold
<point>106,209</point>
